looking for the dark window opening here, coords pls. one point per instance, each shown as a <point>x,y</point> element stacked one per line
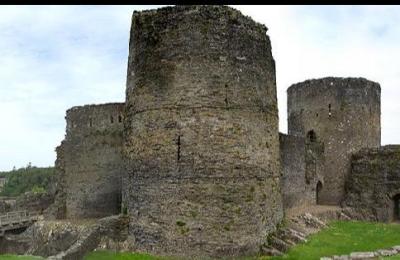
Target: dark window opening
<point>318,193</point>
<point>178,143</point>
<point>120,118</point>
<point>90,122</point>
<point>226,95</point>
<point>119,202</point>
<point>311,136</point>
<point>396,207</point>
<point>112,119</point>
<point>316,114</point>
<point>330,110</point>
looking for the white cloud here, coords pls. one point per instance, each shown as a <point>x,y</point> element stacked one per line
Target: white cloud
<point>318,41</point>
<point>55,57</point>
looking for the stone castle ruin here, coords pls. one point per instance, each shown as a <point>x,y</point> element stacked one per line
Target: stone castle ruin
<point>194,156</point>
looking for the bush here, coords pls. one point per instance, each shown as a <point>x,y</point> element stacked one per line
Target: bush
<point>34,179</point>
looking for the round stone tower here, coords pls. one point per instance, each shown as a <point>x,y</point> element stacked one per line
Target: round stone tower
<point>93,164</point>
<point>343,114</point>
<point>201,132</point>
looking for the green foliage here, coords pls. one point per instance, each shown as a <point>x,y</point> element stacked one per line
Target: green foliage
<point>344,237</point>
<point>180,223</point>
<point>38,190</point>
<point>25,179</point>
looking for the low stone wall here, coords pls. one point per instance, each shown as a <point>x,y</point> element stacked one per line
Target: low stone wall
<point>66,239</point>
<point>378,254</point>
<point>373,186</point>
<point>34,201</point>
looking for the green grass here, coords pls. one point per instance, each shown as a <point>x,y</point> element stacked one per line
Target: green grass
<point>344,237</point>
<point>19,257</point>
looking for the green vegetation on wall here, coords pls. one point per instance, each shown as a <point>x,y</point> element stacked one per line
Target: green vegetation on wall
<point>29,178</point>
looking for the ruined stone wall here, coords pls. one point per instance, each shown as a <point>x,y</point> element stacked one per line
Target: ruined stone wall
<point>201,132</point>
<point>293,162</point>
<point>344,115</point>
<point>93,164</point>
<point>374,182</point>
<point>58,210</point>
<point>315,167</point>
<point>302,166</point>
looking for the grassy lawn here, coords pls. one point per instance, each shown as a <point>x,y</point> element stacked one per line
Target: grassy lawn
<point>345,237</point>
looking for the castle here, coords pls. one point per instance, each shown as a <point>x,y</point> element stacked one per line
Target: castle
<point>194,156</point>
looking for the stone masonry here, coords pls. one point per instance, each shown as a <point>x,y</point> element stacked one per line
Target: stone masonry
<point>201,132</point>
<point>342,113</point>
<point>373,186</point>
<point>91,168</point>
<point>194,158</point>
<point>302,165</point>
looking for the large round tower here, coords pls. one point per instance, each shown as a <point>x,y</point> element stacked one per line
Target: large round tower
<point>343,114</point>
<point>201,132</point>
<point>92,160</point>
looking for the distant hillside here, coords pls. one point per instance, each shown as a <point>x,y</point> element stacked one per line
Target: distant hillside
<point>25,179</point>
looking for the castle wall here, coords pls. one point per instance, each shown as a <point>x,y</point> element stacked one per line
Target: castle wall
<point>58,209</point>
<point>302,167</point>
<point>201,132</point>
<point>374,183</point>
<point>344,115</point>
<point>93,164</point>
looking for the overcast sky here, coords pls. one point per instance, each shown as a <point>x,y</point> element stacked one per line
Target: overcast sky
<point>56,57</point>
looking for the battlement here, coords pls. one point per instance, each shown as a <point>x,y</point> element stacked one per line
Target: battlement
<point>340,92</point>
<point>83,120</point>
<point>215,11</point>
<point>376,152</point>
<point>341,82</point>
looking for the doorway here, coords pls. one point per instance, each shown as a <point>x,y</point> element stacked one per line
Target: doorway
<point>311,136</point>
<point>396,207</point>
<point>318,192</point>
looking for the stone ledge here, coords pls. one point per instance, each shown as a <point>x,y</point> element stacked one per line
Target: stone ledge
<point>395,250</point>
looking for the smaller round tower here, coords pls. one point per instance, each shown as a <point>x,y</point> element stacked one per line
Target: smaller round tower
<point>93,163</point>
<point>343,114</point>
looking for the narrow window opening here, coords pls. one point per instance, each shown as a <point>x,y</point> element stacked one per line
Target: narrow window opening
<point>330,110</point>
<point>112,119</point>
<point>178,143</point>
<point>90,122</point>
<point>120,118</point>
<point>311,136</point>
<point>318,193</point>
<point>226,95</point>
